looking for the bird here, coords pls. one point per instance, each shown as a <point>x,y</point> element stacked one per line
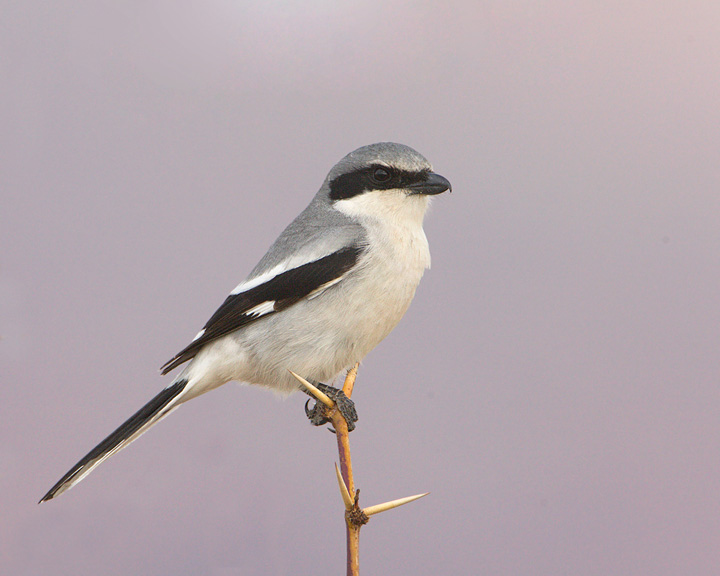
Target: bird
<point>330,288</point>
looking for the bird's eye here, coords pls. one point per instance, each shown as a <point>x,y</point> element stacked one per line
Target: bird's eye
<point>381,174</point>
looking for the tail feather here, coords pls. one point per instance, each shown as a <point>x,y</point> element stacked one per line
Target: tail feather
<point>132,428</point>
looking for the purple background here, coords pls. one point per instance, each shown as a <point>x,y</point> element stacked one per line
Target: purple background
<point>555,384</point>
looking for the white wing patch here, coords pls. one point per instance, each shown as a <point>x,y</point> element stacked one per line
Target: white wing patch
<point>320,289</point>
<point>261,279</point>
<point>276,271</point>
<point>262,309</point>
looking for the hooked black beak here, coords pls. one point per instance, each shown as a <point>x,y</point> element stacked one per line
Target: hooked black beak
<point>433,184</point>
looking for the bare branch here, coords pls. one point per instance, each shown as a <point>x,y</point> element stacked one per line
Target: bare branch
<point>355,517</point>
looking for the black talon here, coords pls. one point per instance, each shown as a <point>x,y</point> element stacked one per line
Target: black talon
<point>318,413</point>
<point>309,413</point>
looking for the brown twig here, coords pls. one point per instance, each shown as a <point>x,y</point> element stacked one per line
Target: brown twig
<point>355,517</point>
<point>352,521</point>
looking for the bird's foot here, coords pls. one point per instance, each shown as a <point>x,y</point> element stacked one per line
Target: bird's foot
<point>318,414</point>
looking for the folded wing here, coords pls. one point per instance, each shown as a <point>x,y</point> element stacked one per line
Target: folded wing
<point>271,296</point>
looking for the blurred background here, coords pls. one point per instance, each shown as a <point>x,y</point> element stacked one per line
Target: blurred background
<point>555,383</point>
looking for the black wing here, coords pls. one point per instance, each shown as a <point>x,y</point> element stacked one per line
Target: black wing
<point>276,294</point>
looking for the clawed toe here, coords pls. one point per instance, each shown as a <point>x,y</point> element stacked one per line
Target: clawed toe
<point>318,414</point>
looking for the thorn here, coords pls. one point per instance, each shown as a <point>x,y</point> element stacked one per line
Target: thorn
<point>393,504</point>
<point>321,396</point>
<point>347,500</point>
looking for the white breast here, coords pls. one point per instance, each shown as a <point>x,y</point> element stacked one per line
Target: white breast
<point>396,258</point>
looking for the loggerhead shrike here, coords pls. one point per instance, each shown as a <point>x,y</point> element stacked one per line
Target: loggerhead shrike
<point>331,287</point>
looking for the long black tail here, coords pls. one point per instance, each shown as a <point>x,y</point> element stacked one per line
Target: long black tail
<point>132,428</point>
